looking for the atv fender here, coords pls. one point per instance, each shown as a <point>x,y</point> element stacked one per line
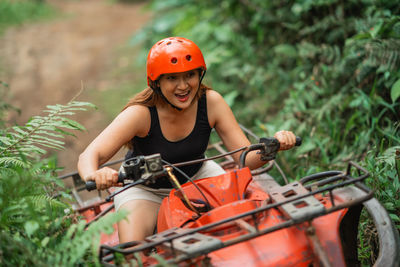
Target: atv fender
<point>389,240</point>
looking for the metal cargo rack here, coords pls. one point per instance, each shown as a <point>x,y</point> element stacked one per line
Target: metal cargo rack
<point>183,244</point>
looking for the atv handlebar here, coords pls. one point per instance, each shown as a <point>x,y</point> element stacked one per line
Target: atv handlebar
<point>146,169</point>
<point>298,141</point>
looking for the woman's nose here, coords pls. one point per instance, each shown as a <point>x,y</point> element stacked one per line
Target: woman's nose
<point>182,82</point>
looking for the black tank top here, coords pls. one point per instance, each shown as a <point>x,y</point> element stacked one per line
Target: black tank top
<point>191,147</point>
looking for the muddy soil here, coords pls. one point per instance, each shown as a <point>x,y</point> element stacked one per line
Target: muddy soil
<point>47,63</point>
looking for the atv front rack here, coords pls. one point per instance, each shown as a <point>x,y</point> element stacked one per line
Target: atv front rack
<point>297,201</point>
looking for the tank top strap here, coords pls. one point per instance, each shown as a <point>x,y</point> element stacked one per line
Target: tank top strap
<point>202,115</point>
<point>155,123</point>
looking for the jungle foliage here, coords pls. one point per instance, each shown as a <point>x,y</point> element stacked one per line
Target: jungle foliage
<point>327,70</point>
<point>36,228</point>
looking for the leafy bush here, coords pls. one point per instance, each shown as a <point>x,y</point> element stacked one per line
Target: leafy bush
<point>328,70</point>
<point>36,228</point>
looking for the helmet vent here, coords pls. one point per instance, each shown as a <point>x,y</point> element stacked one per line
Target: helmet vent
<point>160,42</point>
<point>188,57</point>
<point>174,60</point>
<point>169,43</point>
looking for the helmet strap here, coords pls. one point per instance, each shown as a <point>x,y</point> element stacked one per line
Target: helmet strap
<point>203,73</point>
<point>158,91</point>
<point>156,88</point>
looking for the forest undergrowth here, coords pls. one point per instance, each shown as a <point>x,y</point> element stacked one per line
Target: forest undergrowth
<point>328,70</point>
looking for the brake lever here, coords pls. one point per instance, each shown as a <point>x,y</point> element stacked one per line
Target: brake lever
<point>269,149</point>
<point>272,146</point>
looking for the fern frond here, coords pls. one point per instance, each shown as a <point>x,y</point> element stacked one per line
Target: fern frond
<point>384,53</point>
<point>15,161</point>
<point>78,241</point>
<point>42,201</point>
<point>7,172</point>
<point>40,132</point>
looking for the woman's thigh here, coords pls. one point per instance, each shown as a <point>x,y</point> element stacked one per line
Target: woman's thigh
<point>209,169</point>
<point>140,222</point>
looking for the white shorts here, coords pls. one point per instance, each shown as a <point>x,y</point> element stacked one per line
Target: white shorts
<point>209,169</point>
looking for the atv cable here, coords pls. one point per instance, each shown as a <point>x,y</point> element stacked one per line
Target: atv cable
<point>179,188</point>
<point>210,158</point>
<point>190,180</point>
<point>108,198</point>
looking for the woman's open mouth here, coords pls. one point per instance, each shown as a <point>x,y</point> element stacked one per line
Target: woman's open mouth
<point>183,96</point>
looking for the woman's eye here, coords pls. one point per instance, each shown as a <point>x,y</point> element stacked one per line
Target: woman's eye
<point>190,74</point>
<point>171,77</point>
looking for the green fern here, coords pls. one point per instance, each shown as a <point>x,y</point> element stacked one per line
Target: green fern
<point>384,54</point>
<point>77,241</point>
<point>20,143</point>
<point>32,222</point>
<point>43,201</point>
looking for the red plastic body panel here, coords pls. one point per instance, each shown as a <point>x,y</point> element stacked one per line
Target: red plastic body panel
<point>230,195</point>
<point>90,213</point>
<point>219,190</point>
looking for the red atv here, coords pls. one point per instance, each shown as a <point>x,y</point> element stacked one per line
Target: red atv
<point>245,218</point>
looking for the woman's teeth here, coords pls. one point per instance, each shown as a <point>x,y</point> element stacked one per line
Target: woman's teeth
<point>183,95</point>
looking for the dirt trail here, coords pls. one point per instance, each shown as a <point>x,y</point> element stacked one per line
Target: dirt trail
<point>45,63</point>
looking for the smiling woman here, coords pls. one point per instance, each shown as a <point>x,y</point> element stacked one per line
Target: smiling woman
<point>179,58</point>
<point>173,117</point>
<point>182,86</point>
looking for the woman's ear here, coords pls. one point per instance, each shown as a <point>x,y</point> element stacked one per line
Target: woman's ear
<point>155,85</point>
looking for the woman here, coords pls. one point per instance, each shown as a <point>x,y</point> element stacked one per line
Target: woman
<point>174,117</point>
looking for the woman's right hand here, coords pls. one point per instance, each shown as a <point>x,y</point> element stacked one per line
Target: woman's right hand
<point>104,178</point>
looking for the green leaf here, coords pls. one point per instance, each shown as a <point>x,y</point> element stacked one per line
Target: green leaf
<point>286,50</point>
<point>395,91</point>
<point>376,29</point>
<point>45,241</point>
<point>71,124</point>
<point>230,97</point>
<point>394,217</point>
<point>31,227</point>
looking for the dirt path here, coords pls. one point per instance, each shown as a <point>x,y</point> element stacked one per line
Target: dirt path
<point>45,63</point>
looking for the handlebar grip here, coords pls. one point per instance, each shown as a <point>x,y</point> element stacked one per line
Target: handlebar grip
<point>298,141</point>
<point>91,185</point>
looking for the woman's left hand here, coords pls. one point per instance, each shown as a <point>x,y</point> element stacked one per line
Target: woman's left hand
<point>287,139</point>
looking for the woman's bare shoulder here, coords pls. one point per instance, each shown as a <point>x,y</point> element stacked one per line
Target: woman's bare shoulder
<point>138,109</point>
<point>213,96</point>
<point>216,107</point>
<point>138,117</point>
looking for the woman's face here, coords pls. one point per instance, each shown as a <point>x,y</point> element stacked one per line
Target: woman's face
<point>180,88</point>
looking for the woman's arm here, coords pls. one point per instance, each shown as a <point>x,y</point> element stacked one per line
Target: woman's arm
<point>222,118</point>
<point>133,121</point>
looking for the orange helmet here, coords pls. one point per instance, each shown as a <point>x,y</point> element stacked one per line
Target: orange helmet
<point>171,55</point>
